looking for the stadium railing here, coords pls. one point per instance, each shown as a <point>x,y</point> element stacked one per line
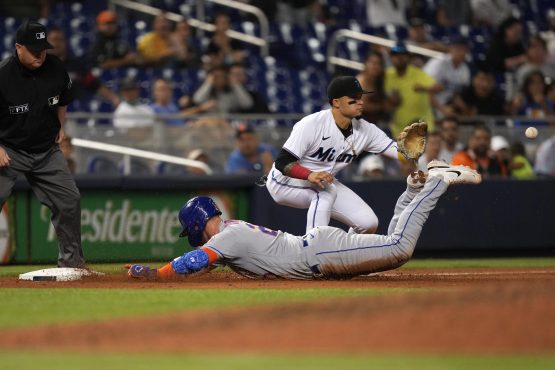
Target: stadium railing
<point>342,34</point>
<point>204,26</point>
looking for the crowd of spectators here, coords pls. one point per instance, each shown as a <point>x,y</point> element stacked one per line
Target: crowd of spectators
<point>516,77</point>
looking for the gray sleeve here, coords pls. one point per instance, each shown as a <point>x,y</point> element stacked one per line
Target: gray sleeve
<point>203,92</point>
<point>244,99</point>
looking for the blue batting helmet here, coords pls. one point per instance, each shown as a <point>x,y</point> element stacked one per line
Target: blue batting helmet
<point>193,217</point>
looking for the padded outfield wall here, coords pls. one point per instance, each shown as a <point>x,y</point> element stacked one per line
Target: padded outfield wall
<point>135,219</point>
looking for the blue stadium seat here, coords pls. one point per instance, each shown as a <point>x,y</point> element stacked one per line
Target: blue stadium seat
<point>138,167</point>
<point>102,165</point>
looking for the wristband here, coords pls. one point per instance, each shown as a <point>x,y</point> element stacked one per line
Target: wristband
<point>299,172</point>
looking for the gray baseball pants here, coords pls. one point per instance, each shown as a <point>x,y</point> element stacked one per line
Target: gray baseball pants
<point>341,254</point>
<point>54,186</point>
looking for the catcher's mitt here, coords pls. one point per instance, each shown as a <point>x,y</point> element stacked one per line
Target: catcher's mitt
<point>412,141</point>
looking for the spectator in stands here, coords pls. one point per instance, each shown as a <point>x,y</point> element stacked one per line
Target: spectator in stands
<point>549,35</point>
<point>478,156</point>
<point>164,103</point>
<point>230,95</point>
<point>188,54</point>
<point>481,98</point>
<point>449,131</point>
<point>501,150</point>
<point>521,169</point>
<point>238,75</point>
<point>418,35</point>
<point>156,47</point>
<point>384,12</point>
<point>532,101</point>
<point>506,52</point>
<point>109,49</point>
<point>433,150</point>
<point>301,12</point>
<point>250,155</point>
<point>545,158</point>
<point>131,113</point>
<point>222,49</point>
<point>451,72</point>
<point>372,78</point>
<point>84,82</point>
<point>452,13</point>
<point>198,155</point>
<point>490,13</point>
<point>409,91</point>
<point>537,61</point>
<point>33,9</point>
<point>371,167</point>
<point>66,147</point>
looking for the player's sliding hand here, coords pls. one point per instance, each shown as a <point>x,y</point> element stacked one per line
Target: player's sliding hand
<point>322,179</point>
<point>140,271</point>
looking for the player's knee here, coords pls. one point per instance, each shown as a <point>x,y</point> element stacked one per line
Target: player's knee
<point>402,250</point>
<point>369,227</point>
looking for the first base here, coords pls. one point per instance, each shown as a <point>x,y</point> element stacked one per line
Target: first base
<point>58,274</point>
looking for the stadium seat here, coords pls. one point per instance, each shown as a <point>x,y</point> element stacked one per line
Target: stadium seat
<point>102,165</point>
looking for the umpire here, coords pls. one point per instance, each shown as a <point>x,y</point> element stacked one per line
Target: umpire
<point>34,92</point>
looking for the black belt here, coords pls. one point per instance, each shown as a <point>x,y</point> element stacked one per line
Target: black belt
<point>315,269</point>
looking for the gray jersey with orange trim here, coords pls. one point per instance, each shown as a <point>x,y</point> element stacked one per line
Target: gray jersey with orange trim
<point>325,251</point>
<point>255,251</point>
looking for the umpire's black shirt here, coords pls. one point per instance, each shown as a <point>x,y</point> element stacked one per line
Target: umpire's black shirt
<point>29,101</point>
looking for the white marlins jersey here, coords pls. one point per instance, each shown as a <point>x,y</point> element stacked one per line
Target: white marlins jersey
<point>320,146</point>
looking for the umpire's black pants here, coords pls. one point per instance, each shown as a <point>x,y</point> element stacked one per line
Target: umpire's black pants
<point>54,186</point>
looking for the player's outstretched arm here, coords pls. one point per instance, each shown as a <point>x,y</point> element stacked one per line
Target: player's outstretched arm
<point>189,263</point>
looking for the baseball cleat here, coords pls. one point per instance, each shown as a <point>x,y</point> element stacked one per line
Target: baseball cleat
<point>436,163</point>
<point>416,180</point>
<point>456,174</point>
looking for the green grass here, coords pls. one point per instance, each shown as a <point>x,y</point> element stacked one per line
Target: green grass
<point>28,307</point>
<point>84,361</point>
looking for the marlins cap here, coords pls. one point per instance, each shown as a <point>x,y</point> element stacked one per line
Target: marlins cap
<point>345,86</point>
<point>33,36</point>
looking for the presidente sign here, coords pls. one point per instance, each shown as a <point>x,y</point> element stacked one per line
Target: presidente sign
<point>114,226</point>
<point>124,222</point>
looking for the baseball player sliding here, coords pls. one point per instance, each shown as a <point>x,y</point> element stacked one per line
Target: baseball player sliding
<point>323,252</point>
<point>321,145</point>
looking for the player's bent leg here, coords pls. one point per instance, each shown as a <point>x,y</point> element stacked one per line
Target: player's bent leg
<point>415,183</point>
<point>412,218</point>
<point>342,254</point>
<point>351,210</point>
<point>291,193</point>
<point>319,211</point>
<point>339,254</point>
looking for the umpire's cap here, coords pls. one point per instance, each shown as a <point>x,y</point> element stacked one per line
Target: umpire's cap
<point>193,217</point>
<point>345,86</point>
<point>33,36</point>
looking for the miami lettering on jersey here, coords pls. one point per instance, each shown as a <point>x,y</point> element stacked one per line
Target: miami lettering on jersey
<point>329,156</point>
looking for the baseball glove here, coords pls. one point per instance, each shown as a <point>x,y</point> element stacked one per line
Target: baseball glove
<point>412,141</point>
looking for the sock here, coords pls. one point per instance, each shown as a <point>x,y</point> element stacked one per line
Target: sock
<point>165,271</point>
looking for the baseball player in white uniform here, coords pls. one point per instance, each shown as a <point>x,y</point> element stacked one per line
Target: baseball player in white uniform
<point>323,252</point>
<point>319,146</point>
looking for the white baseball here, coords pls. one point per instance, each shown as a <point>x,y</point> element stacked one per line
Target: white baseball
<point>531,132</point>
